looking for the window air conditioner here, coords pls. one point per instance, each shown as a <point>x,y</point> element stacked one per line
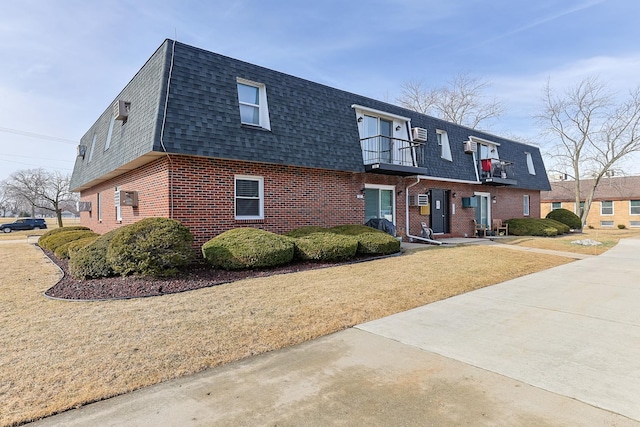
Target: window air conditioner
<point>82,150</point>
<point>419,200</point>
<point>121,109</point>
<point>470,147</point>
<point>84,206</point>
<point>127,198</point>
<point>419,134</point>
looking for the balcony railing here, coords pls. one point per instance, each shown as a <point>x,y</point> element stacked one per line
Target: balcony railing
<point>388,154</point>
<point>497,172</point>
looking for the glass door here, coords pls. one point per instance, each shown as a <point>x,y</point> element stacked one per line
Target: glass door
<point>380,133</point>
<point>379,203</point>
<point>483,210</point>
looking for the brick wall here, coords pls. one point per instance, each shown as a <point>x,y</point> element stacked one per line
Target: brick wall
<point>620,215</point>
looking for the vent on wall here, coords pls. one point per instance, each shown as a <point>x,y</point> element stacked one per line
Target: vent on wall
<point>121,110</point>
<point>470,147</point>
<point>419,200</point>
<point>419,134</point>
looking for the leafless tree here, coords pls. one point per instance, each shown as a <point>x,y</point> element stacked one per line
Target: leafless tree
<point>592,132</point>
<point>41,189</point>
<point>462,101</point>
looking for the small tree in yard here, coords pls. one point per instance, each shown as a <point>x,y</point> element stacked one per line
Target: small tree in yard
<point>41,189</point>
<point>592,132</point>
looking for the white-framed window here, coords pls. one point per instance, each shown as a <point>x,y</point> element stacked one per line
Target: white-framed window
<point>606,223</point>
<point>530,167</point>
<point>443,142</point>
<point>249,197</point>
<point>93,146</point>
<point>634,224</point>
<point>606,207</point>
<point>634,207</point>
<point>580,211</point>
<point>380,202</point>
<point>99,206</point>
<point>118,207</point>
<point>525,205</point>
<point>254,110</point>
<point>107,144</point>
<point>556,205</point>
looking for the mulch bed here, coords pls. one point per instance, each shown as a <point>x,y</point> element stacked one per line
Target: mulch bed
<point>196,276</point>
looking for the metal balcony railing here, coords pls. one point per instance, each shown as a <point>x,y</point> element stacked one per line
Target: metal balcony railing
<point>382,149</point>
<point>496,168</point>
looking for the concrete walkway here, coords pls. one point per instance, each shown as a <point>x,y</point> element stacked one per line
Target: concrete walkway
<point>558,347</point>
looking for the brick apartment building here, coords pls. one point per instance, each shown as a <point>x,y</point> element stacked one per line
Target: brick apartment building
<point>218,143</point>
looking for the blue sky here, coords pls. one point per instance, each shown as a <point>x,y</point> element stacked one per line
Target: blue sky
<point>63,62</point>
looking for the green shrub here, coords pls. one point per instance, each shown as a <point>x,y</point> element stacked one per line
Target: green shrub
<point>305,231</point>
<point>54,242</point>
<point>244,248</point>
<point>62,251</point>
<point>370,240</point>
<point>150,247</point>
<point>532,227</point>
<point>567,217</point>
<point>622,226</point>
<point>325,246</point>
<point>42,240</point>
<point>561,227</point>
<point>90,262</point>
<point>79,244</point>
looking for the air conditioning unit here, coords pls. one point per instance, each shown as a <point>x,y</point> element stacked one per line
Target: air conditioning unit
<point>470,147</point>
<point>121,110</point>
<point>82,150</point>
<point>419,200</point>
<point>84,206</point>
<point>126,198</point>
<point>419,134</point>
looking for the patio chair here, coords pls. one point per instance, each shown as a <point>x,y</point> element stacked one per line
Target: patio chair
<point>499,227</point>
<point>479,229</point>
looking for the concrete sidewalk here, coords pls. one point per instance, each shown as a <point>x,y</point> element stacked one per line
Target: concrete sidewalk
<point>559,347</point>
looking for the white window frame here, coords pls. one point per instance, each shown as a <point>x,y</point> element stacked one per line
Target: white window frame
<point>631,207</point>
<point>107,144</point>
<point>260,181</point>
<point>526,205</point>
<point>443,142</point>
<point>552,208</point>
<point>263,107</point>
<point>608,223</point>
<point>530,167</point>
<point>117,203</point>
<point>634,224</point>
<point>93,146</point>
<point>602,208</point>
<point>99,206</point>
<point>391,188</point>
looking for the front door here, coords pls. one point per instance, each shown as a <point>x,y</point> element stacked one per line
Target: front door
<point>440,211</point>
<point>483,210</point>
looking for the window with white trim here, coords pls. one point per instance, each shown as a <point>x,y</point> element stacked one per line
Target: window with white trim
<point>525,205</point>
<point>117,203</point>
<point>606,207</point>
<point>93,146</point>
<point>252,98</point>
<point>556,205</point>
<point>107,144</point>
<point>634,207</point>
<point>606,223</point>
<point>530,167</point>
<point>249,197</point>
<point>634,224</point>
<point>99,206</point>
<point>443,142</point>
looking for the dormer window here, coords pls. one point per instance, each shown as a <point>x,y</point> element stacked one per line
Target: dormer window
<point>443,142</point>
<point>252,98</point>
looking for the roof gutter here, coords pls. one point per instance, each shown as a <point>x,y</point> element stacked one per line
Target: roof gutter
<point>406,207</point>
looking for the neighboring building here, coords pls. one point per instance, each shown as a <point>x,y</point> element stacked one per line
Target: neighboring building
<point>615,202</point>
<point>218,143</point>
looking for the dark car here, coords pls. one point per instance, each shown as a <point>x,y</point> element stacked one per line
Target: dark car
<point>23,224</point>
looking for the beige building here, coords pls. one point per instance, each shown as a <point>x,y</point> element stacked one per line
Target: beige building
<point>616,201</point>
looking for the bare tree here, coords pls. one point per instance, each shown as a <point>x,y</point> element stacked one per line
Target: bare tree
<point>592,132</point>
<point>41,189</point>
<point>462,101</point>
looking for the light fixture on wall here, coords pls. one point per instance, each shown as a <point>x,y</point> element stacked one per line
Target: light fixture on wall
<point>399,192</point>
<point>398,128</point>
<point>453,195</point>
<point>360,119</point>
<point>494,199</point>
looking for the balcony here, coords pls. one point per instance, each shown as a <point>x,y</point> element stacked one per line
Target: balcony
<point>392,156</point>
<point>496,172</point>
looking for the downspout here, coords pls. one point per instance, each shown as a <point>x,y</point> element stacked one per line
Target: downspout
<point>406,207</point>
<point>164,120</point>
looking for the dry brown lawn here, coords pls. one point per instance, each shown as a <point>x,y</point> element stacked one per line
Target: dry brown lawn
<point>608,238</point>
<point>58,355</point>
<point>19,235</point>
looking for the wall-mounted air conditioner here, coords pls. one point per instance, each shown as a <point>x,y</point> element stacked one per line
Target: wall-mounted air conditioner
<point>126,198</point>
<point>419,134</point>
<point>470,147</point>
<point>84,206</point>
<point>419,200</point>
<point>82,150</point>
<point>121,109</point>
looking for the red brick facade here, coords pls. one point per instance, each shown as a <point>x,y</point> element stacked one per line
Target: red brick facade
<point>203,197</point>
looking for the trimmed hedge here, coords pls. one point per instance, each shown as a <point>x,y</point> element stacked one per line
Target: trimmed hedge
<point>305,231</point>
<point>370,240</point>
<point>79,244</point>
<point>62,251</point>
<point>42,241</point>
<point>59,239</point>
<point>325,246</point>
<point>244,248</point>
<point>567,217</point>
<point>90,262</point>
<point>150,247</point>
<point>533,227</point>
<point>562,228</point>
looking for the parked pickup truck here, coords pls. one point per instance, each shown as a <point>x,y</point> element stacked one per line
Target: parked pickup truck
<point>23,224</point>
